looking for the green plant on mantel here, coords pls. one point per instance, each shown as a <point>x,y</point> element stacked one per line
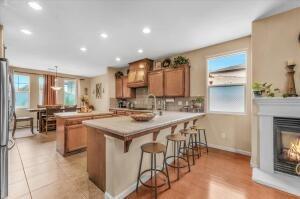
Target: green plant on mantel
<point>180,60</point>
<point>264,89</point>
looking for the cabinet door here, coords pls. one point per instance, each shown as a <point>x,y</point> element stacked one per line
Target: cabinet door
<point>156,83</point>
<point>174,82</point>
<point>127,92</point>
<point>119,88</point>
<point>75,137</point>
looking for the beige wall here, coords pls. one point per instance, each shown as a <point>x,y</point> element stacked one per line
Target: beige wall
<point>228,131</point>
<point>274,41</point>
<point>34,89</point>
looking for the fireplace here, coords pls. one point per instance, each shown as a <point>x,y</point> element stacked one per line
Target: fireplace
<point>287,145</point>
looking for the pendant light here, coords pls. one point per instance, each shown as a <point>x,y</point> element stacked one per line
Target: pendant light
<point>55,88</point>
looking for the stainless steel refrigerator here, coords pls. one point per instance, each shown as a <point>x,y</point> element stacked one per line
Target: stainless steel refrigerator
<point>7,107</point>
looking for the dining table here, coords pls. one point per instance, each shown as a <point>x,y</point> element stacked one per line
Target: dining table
<point>39,113</point>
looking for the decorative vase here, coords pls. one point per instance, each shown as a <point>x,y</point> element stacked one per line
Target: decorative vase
<point>291,89</point>
<point>257,93</point>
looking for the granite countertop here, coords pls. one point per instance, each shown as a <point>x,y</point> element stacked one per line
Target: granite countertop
<point>132,110</point>
<point>126,126</point>
<point>76,114</point>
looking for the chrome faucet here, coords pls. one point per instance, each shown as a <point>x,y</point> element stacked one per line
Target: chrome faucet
<point>154,97</point>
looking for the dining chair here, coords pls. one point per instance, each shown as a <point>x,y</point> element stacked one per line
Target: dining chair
<point>50,120</point>
<point>71,108</point>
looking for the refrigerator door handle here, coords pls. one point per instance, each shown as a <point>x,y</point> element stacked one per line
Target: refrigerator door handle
<point>13,96</point>
<point>4,102</point>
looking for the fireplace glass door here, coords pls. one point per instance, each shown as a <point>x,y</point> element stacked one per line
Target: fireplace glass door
<point>287,145</point>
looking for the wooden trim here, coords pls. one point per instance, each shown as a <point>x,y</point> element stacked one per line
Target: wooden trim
<point>96,157</point>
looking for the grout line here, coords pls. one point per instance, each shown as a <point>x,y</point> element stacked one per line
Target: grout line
<point>24,170</point>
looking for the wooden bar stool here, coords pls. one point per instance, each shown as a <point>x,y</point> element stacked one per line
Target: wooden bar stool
<point>200,129</point>
<point>192,145</point>
<point>153,149</point>
<point>177,140</point>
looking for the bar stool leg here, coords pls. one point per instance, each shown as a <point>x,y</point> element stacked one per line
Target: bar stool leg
<point>187,152</point>
<point>151,168</point>
<point>196,145</point>
<point>140,167</point>
<point>155,183</point>
<point>205,140</point>
<point>165,163</point>
<point>175,143</point>
<point>191,147</point>
<point>165,155</point>
<point>199,134</point>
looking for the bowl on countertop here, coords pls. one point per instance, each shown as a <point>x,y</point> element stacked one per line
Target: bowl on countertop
<point>143,117</point>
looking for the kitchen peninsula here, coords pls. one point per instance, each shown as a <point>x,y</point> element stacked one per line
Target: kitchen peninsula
<point>71,133</point>
<point>113,147</point>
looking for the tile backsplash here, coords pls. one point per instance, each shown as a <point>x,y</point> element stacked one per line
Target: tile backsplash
<point>142,101</point>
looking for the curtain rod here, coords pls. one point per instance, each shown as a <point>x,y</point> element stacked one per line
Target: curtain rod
<point>32,73</point>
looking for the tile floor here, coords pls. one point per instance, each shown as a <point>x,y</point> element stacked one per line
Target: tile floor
<point>36,170</point>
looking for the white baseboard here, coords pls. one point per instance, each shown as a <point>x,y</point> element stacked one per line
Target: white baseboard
<point>286,183</point>
<point>230,149</point>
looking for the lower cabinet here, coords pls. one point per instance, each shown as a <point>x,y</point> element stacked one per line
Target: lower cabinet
<point>76,137</point>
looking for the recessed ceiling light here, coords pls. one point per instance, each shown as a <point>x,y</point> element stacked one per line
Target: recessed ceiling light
<point>104,35</point>
<point>34,5</point>
<point>118,59</point>
<point>146,30</point>
<point>140,51</point>
<point>83,49</point>
<point>26,32</point>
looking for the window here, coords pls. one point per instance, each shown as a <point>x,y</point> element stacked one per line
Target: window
<point>22,83</point>
<point>69,92</point>
<point>41,90</point>
<point>227,77</point>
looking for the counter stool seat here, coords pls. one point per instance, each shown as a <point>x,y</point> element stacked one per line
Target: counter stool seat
<point>153,148</point>
<point>175,137</point>
<point>199,129</point>
<point>192,145</point>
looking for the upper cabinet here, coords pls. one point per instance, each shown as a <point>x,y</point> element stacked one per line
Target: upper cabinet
<point>156,83</point>
<point>170,82</point>
<point>122,90</point>
<point>138,73</point>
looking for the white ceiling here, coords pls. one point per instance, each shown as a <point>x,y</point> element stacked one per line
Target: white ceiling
<point>64,26</point>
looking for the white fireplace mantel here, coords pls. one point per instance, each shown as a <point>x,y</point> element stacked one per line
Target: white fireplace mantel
<point>268,108</point>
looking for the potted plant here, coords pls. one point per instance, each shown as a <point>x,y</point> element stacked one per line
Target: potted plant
<point>180,60</point>
<point>257,89</point>
<point>198,102</point>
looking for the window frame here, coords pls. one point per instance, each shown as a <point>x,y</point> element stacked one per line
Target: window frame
<point>17,91</point>
<point>76,91</point>
<point>42,96</point>
<point>245,112</point>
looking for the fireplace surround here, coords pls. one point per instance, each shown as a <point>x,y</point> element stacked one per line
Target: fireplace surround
<point>278,120</point>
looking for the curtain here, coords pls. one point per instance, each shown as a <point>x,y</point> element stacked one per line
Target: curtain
<point>49,93</point>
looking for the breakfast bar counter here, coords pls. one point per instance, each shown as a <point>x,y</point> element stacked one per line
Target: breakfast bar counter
<point>113,147</point>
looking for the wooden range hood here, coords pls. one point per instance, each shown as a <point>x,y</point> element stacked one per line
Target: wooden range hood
<point>138,73</point>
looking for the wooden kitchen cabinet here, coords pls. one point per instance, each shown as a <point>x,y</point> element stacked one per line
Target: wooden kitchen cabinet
<point>119,88</point>
<point>122,89</point>
<point>170,82</point>
<point>156,83</point>
<point>177,82</point>
<point>138,73</point>
<point>127,92</point>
